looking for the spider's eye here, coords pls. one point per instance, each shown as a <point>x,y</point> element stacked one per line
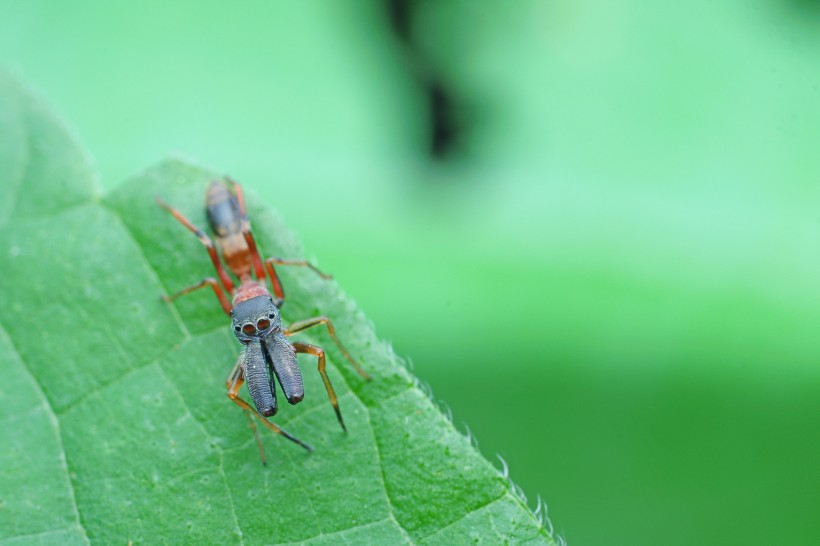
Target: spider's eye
<point>249,329</point>
<point>271,316</point>
<point>263,324</point>
<point>237,328</point>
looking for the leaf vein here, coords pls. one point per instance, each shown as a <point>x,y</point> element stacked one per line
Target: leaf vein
<point>382,475</point>
<point>55,424</point>
<point>42,534</point>
<point>466,515</point>
<point>341,533</point>
<point>99,388</point>
<point>221,467</point>
<point>124,225</point>
<point>18,181</point>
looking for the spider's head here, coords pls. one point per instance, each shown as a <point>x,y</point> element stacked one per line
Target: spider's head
<point>255,317</point>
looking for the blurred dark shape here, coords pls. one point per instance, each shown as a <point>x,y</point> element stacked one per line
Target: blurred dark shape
<point>445,132</point>
<point>399,13</point>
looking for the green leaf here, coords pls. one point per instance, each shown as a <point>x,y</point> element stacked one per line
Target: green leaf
<point>113,413</point>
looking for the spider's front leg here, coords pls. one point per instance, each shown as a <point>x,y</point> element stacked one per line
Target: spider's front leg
<point>302,325</point>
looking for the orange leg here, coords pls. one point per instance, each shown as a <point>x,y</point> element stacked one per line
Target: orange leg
<point>302,325</point>
<point>233,390</point>
<point>276,284</point>
<point>235,372</point>
<point>205,240</point>
<point>210,281</point>
<point>331,394</point>
<point>299,263</point>
<point>256,437</point>
<point>246,230</point>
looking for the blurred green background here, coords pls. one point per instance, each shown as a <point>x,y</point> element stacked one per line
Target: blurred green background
<point>593,226</point>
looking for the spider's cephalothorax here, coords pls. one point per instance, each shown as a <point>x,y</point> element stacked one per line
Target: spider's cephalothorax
<point>255,317</point>
<point>268,353</point>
